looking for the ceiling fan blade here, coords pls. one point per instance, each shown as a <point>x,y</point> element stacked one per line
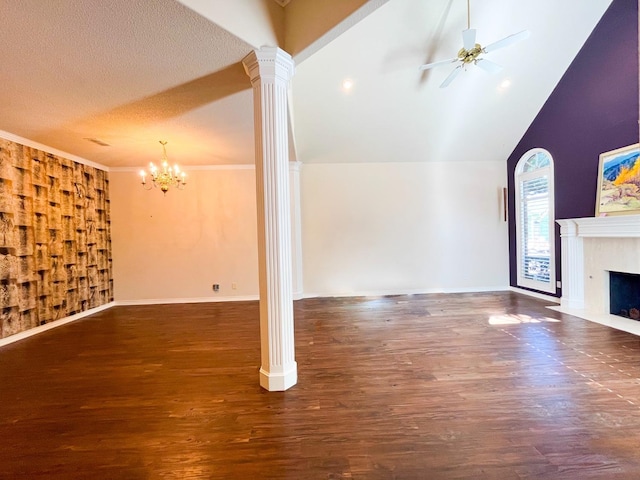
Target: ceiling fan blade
<point>438,64</point>
<point>469,38</point>
<point>505,42</point>
<point>451,76</point>
<point>488,65</point>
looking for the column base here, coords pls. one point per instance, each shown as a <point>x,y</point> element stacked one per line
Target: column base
<point>279,382</point>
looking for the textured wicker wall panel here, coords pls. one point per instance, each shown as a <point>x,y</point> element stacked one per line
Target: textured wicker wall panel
<point>6,196</point>
<point>7,231</point>
<point>55,241</point>
<point>23,211</point>
<point>24,241</point>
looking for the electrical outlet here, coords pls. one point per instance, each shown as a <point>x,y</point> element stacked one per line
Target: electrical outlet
<point>234,286</point>
<point>216,287</point>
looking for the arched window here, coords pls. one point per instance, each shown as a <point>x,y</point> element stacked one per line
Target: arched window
<point>535,221</point>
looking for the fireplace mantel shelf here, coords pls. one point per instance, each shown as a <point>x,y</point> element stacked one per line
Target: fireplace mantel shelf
<point>577,266</point>
<point>623,226</point>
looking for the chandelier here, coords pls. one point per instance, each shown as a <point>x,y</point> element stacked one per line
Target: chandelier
<point>165,176</point>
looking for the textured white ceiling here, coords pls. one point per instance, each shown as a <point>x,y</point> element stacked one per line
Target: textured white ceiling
<point>396,113</point>
<point>133,72</point>
<point>127,72</point>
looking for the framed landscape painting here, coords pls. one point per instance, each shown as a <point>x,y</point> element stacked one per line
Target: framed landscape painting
<point>619,182</point>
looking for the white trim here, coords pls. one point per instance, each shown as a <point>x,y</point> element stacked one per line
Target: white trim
<point>162,301</point>
<point>191,168</point>
<point>519,176</point>
<point>539,295</point>
<point>279,381</point>
<point>572,265</point>
<point>69,156</point>
<point>417,291</point>
<point>622,226</point>
<point>72,318</point>
<point>55,324</point>
<point>54,151</point>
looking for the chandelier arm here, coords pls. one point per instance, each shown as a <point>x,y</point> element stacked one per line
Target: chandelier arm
<point>165,176</point>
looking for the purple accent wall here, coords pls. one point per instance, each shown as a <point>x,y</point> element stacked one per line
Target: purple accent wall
<point>593,109</point>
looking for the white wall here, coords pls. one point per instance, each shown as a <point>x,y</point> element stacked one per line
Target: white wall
<point>176,246</point>
<point>381,228</point>
<point>376,228</point>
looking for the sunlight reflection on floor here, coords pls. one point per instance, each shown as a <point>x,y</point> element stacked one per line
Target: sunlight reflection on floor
<point>514,319</point>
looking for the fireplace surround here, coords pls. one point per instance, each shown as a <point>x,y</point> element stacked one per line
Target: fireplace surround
<point>591,248</point>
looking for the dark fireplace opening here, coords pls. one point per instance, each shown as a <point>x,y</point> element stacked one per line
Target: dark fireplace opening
<point>624,295</point>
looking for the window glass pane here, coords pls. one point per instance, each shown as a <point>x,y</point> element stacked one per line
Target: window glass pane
<point>536,161</point>
<point>536,259</point>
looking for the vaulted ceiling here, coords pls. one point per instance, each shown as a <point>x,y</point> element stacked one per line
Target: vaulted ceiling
<point>128,73</point>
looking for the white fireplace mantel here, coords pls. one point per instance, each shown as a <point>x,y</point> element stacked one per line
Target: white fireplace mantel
<point>623,226</point>
<point>585,268</point>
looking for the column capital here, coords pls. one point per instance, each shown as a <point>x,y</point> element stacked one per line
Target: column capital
<point>568,228</point>
<point>269,63</point>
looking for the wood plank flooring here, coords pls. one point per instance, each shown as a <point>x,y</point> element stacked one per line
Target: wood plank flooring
<point>465,386</point>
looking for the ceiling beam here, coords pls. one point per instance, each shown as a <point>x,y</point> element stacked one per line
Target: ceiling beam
<point>310,25</point>
<point>257,22</point>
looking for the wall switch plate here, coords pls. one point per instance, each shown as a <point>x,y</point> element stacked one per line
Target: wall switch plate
<point>234,286</point>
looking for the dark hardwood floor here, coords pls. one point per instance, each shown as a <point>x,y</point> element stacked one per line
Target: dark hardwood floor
<point>466,386</point>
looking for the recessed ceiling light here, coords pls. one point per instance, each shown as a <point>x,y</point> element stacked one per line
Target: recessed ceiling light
<point>506,83</point>
<point>347,84</point>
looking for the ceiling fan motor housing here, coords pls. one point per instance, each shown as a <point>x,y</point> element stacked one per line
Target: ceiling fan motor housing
<point>469,56</point>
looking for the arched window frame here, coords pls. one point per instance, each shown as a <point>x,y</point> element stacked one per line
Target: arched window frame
<point>521,175</point>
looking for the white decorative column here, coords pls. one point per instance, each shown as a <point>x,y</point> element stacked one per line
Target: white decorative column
<point>270,70</point>
<point>572,265</point>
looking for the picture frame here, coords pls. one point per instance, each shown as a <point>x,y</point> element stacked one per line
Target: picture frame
<point>619,182</point>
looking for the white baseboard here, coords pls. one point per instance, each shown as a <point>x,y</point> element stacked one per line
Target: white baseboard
<point>164,301</point>
<point>55,324</point>
<point>418,291</point>
<point>541,296</point>
<point>72,318</point>
<point>296,296</point>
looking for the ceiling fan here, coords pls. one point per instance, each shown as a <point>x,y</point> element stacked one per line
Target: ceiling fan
<point>470,53</point>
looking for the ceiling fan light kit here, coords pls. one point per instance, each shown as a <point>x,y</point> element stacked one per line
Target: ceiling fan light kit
<point>470,53</point>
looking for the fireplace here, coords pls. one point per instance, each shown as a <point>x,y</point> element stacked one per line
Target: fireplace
<point>591,249</point>
<point>624,295</point>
